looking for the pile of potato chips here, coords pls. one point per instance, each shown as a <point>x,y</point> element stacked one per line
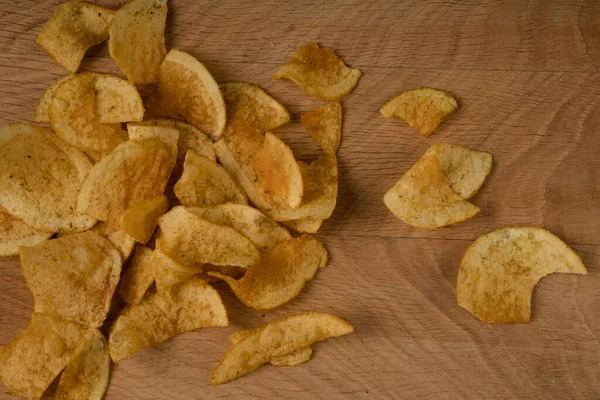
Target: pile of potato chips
<point>106,201</point>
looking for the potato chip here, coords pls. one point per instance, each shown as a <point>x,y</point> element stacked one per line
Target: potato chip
<point>31,362</point>
<point>325,125</point>
<point>138,276</point>
<point>41,111</point>
<point>131,173</point>
<point>280,275</point>
<point>206,183</point>
<point>275,339</point>
<point>122,241</point>
<point>86,375</point>
<point>248,106</point>
<point>423,199</point>
<point>40,177</point>
<point>140,220</point>
<point>189,306</point>
<point>262,231</point>
<point>423,108</point>
<point>189,239</point>
<point>320,73</point>
<point>169,272</point>
<point>15,233</point>
<point>168,135</point>
<point>289,360</point>
<point>188,92</point>
<point>500,269</point>
<point>116,100</point>
<point>137,39</point>
<point>304,225</point>
<point>94,156</point>
<point>73,277</point>
<point>74,28</point>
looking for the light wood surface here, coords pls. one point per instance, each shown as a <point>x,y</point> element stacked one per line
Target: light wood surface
<point>526,77</point>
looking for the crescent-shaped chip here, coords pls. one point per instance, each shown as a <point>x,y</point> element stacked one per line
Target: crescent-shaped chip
<point>304,225</point>
<point>325,125</point>
<point>140,220</point>
<point>138,276</point>
<point>15,233</point>
<point>500,269</point>
<point>289,360</point>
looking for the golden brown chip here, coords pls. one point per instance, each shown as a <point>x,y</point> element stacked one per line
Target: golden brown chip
<point>170,136</point>
<point>320,73</point>
<point>31,362</point>
<point>40,177</point>
<point>189,240</point>
<point>289,360</point>
<point>325,125</point>
<point>86,375</point>
<point>206,183</point>
<point>275,339</point>
<point>423,108</point>
<point>73,277</point>
<point>137,39</point>
<point>15,233</point>
<point>116,100</point>
<point>138,276</point>
<point>304,225</point>
<point>280,275</point>
<point>189,306</point>
<point>188,92</point>
<point>262,231</point>
<point>122,241</point>
<point>248,106</point>
<point>94,156</point>
<point>74,28</point>
<point>140,220</point>
<point>41,111</point>
<point>500,269</point>
<point>169,272</point>
<point>131,173</point>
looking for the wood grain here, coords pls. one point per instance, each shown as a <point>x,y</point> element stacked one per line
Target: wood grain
<point>525,75</point>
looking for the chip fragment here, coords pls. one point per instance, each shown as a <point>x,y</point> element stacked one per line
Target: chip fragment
<point>320,73</point>
<point>41,111</point>
<point>280,275</point>
<point>168,272</point>
<point>423,108</point>
<point>137,39</point>
<point>140,220</point>
<point>73,28</point>
<point>500,269</point>
<point>31,362</point>
<point>122,241</point>
<point>289,360</point>
<point>325,125</point>
<point>116,100</point>
<point>275,339</point>
<point>15,233</point>
<point>188,306</point>
<point>138,276</point>
<point>304,225</point>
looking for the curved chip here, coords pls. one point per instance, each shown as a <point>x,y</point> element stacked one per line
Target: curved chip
<point>275,339</point>
<point>15,233</point>
<point>189,240</point>
<point>289,360</point>
<point>187,91</point>
<point>500,269</point>
<point>41,111</point>
<point>140,220</point>
<point>248,106</point>
<point>189,306</point>
<point>74,28</point>
<point>31,362</point>
<point>169,272</point>
<point>137,39</point>
<point>262,231</point>
<point>280,275</point>
<point>87,373</point>
<point>40,177</point>
<point>206,183</point>
<point>122,241</point>
<point>131,173</point>
<point>138,276</point>
<point>73,277</point>
<point>325,125</point>
<point>304,225</point>
<point>116,100</point>
<point>320,73</point>
<point>423,108</point>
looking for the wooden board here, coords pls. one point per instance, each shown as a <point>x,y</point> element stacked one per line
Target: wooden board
<point>526,78</point>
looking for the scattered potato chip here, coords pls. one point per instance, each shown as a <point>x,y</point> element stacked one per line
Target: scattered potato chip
<point>168,135</point>
<point>74,28</point>
<point>289,360</point>
<point>248,106</point>
<point>15,233</point>
<point>500,269</point>
<point>169,272</point>
<point>131,173</point>
<point>206,183</point>
<point>304,225</point>
<point>423,108</point>
<point>73,277</point>
<point>40,177</point>
<point>31,362</point>
<point>189,306</point>
<point>138,276</point>
<point>189,240</point>
<point>86,375</point>
<point>41,111</point>
<point>116,100</point>
<point>280,275</point>
<point>188,92</point>
<point>276,339</point>
<point>325,125</point>
<point>262,231</point>
<point>320,73</point>
<point>137,39</point>
<point>140,220</point>
<point>231,271</point>
<point>122,241</point>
